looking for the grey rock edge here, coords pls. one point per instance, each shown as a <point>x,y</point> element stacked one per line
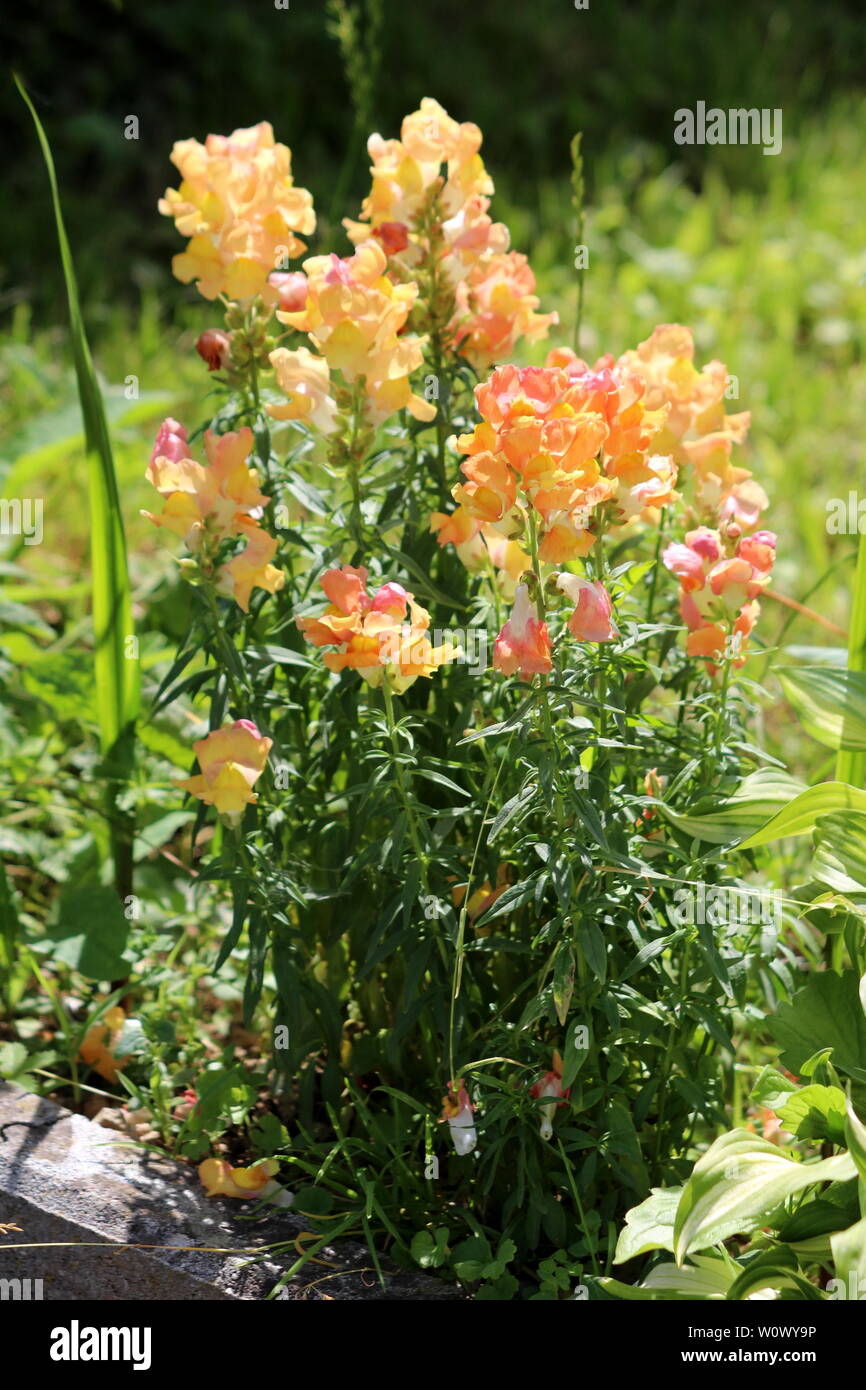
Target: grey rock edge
<point>65,1179</point>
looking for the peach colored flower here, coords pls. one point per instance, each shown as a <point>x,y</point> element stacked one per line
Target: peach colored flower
<point>592,619</point>
<point>429,207</point>
<point>251,569</point>
<point>216,500</point>
<point>220,1179</point>
<point>232,759</point>
<point>239,206</point>
<point>383,636</point>
<point>356,318</point>
<point>99,1045</point>
<point>523,644</point>
<point>306,381</point>
<point>495,307</point>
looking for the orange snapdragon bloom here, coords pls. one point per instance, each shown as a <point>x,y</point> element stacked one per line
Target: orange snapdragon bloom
<point>496,306</point>
<point>697,431</point>
<point>239,206</point>
<point>592,619</point>
<point>232,759</point>
<point>721,576</point>
<point>383,636</point>
<point>429,206</point>
<point>216,500</point>
<point>221,1180</point>
<point>251,569</point>
<point>213,503</point>
<point>643,481</point>
<point>538,446</point>
<point>356,317</point>
<point>306,380</point>
<point>523,644</point>
<point>98,1046</point>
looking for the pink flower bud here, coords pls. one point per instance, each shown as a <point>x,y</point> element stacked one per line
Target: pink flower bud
<point>171,442</point>
<point>291,286</point>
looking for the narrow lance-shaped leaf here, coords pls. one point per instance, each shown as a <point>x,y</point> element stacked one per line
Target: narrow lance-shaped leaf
<point>117,681</point>
<point>851,763</point>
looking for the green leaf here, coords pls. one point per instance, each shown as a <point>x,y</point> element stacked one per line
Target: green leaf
<point>760,795</point>
<point>707,1276</point>
<point>826,1012</point>
<point>803,813</point>
<point>773,1269</point>
<point>855,1138</point>
<point>849,1257</point>
<point>739,1184</point>
<point>850,762</point>
<point>839,860</point>
<point>772,1089</point>
<point>117,687</point>
<point>563,980</point>
<point>815,1112</point>
<point>649,1226</point>
<point>89,932</point>
<point>831,703</point>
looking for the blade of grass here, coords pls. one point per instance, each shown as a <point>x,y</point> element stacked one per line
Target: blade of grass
<point>851,763</point>
<point>115,658</point>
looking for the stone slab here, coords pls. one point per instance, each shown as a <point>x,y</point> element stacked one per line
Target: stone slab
<point>65,1179</point>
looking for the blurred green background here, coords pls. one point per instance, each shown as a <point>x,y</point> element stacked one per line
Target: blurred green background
<point>764,257</point>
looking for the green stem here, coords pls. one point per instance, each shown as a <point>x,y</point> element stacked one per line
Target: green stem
<point>402,791</point>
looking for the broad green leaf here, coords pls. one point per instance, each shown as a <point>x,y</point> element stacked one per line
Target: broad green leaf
<point>649,1226</point>
<point>772,1269</point>
<point>826,1012</point>
<point>839,860</point>
<point>831,703</point>
<point>855,1138</point>
<point>815,1112</point>
<point>805,810</point>
<point>88,931</point>
<point>707,1276</point>
<point>849,1257</point>
<point>760,795</point>
<point>772,1089</point>
<point>737,1186</point>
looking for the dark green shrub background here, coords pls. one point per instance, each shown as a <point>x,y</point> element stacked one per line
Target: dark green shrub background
<point>529,74</point>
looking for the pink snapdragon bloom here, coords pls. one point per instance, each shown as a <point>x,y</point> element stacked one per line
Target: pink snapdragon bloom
<point>171,442</point>
<point>291,288</point>
<point>523,644</point>
<point>550,1087</point>
<point>457,1111</point>
<point>592,619</point>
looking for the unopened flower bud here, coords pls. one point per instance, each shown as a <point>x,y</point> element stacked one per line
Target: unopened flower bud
<point>213,347</point>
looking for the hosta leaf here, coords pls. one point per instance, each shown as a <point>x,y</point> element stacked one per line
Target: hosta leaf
<point>649,1226</point>
<point>831,703</point>
<point>849,1257</point>
<point>803,813</point>
<point>840,852</point>
<point>737,1186</point>
<point>758,797</point>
